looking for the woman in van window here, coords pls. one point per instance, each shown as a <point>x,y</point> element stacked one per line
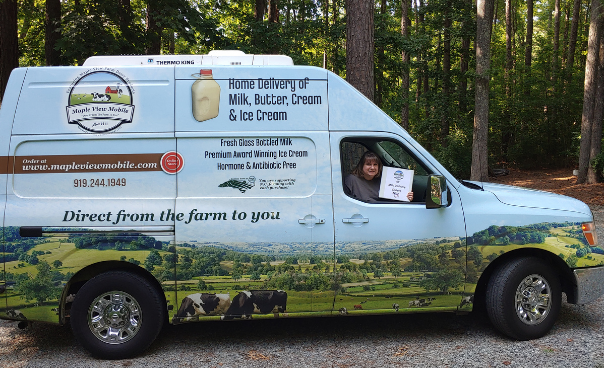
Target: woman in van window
<point>364,182</point>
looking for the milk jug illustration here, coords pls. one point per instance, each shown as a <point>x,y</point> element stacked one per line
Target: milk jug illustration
<point>206,96</point>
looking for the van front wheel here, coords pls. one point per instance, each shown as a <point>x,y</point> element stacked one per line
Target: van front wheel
<point>116,315</point>
<point>523,298</point>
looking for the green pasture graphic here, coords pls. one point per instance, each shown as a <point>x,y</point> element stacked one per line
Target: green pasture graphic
<point>113,97</point>
<point>348,278</point>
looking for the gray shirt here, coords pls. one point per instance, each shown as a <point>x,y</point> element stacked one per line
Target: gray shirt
<point>362,189</point>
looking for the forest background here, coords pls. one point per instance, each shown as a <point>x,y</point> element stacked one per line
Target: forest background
<point>482,85</point>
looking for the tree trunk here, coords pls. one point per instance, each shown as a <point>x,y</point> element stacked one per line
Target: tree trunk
<point>125,20</point>
<point>506,129</point>
<point>273,11</point>
<point>564,43</point>
<point>528,51</point>
<point>556,42</point>
<point>381,57</point>
<point>596,129</point>
<point>589,89</point>
<point>325,30</point>
<point>259,10</point>
<point>360,46</point>
<point>405,25</point>
<point>424,64</point>
<point>153,29</point>
<point>53,32</point>
<point>335,11</point>
<point>172,43</point>
<point>572,42</point>
<point>464,61</point>
<point>444,121</point>
<point>125,15</point>
<point>9,42</point>
<point>484,16</point>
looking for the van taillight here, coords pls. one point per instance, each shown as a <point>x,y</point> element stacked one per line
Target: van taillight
<point>589,230</point>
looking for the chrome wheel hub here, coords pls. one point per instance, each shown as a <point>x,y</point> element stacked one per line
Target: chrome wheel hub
<point>533,299</point>
<point>115,317</point>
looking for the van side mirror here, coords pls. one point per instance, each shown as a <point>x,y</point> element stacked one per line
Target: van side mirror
<point>437,194</point>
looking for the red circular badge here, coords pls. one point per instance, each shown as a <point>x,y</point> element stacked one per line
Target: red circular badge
<point>172,162</point>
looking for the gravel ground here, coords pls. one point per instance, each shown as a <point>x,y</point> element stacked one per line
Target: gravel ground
<point>432,339</point>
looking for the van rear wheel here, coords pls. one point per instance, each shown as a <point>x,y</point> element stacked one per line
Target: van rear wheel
<point>116,315</point>
<point>523,298</point>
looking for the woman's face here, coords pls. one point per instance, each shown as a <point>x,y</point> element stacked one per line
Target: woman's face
<point>370,169</point>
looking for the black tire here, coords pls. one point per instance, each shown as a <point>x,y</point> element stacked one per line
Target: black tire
<point>523,298</point>
<point>119,302</point>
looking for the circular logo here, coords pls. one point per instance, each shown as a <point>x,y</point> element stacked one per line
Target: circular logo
<point>399,175</point>
<point>100,102</point>
<point>172,162</point>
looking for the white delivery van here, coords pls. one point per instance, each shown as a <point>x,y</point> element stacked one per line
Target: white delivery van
<point>145,189</point>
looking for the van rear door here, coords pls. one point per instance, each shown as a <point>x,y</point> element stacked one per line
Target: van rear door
<point>7,113</point>
<point>87,184</point>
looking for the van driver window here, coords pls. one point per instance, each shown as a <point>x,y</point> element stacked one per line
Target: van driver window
<point>362,165</point>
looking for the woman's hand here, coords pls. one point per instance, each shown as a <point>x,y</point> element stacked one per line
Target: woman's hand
<point>410,196</point>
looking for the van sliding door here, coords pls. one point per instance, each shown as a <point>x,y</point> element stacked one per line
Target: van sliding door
<point>256,217</point>
<point>255,225</point>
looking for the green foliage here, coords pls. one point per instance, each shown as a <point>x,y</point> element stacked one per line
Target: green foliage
<point>103,241</point>
<point>475,256</point>
<point>41,287</point>
<point>598,165</point>
<point>443,280</point>
<point>201,285</point>
<point>504,235</point>
<point>455,155</point>
<point>153,259</point>
<point>571,261</point>
<point>535,111</point>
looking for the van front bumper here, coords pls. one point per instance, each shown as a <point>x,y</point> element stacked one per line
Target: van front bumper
<point>589,284</point>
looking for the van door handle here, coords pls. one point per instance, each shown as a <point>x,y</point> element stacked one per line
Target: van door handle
<point>310,221</point>
<point>357,220</point>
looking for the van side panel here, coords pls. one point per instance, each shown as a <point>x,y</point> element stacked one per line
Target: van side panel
<point>350,110</point>
<point>7,114</point>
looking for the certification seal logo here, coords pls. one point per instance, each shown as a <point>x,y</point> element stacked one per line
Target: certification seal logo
<point>242,184</point>
<point>399,175</point>
<point>100,101</point>
<point>172,162</point>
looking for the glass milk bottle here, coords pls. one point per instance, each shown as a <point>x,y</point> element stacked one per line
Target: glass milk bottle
<point>206,96</point>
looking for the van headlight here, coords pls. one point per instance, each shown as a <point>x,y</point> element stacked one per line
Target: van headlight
<point>589,230</point>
